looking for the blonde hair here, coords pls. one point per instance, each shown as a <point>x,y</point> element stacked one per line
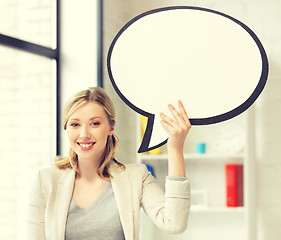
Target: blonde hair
<point>99,96</point>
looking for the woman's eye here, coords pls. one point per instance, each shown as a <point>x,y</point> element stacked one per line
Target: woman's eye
<point>74,124</point>
<point>95,124</point>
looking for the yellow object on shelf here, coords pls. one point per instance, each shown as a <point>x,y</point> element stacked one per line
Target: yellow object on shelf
<point>143,120</point>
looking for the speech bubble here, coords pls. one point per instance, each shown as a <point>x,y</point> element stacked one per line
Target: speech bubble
<point>211,61</point>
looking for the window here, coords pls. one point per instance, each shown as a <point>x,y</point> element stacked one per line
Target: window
<point>29,65</point>
<point>25,132</point>
<point>29,101</point>
<point>30,20</point>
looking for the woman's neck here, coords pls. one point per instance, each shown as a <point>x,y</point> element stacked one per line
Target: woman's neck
<point>88,169</point>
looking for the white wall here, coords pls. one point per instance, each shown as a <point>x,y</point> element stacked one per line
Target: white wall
<point>78,51</point>
<point>115,14</point>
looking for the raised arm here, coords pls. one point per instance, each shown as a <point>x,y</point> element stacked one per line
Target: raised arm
<point>170,211</point>
<point>178,130</point>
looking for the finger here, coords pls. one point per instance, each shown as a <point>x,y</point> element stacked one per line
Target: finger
<point>166,125</point>
<point>177,115</point>
<point>172,126</point>
<point>183,112</point>
<point>168,120</point>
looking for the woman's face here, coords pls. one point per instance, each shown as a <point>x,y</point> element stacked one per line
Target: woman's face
<point>87,130</point>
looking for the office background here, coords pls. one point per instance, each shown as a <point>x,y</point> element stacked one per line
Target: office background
<point>32,93</point>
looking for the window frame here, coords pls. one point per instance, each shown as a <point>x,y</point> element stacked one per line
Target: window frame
<point>54,54</point>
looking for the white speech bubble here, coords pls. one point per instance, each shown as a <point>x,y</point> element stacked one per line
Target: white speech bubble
<point>214,63</point>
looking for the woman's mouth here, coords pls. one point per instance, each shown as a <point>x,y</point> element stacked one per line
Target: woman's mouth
<point>86,146</point>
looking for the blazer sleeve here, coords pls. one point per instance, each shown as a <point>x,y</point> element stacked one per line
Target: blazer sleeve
<point>169,210</point>
<point>36,211</point>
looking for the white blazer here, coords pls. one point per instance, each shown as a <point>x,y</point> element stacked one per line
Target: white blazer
<point>133,188</point>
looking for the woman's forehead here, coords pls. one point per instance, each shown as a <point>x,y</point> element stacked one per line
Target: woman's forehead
<point>89,110</point>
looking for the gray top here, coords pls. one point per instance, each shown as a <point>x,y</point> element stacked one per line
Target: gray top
<point>100,221</point>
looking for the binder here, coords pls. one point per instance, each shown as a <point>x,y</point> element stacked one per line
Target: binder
<point>143,121</point>
<point>234,185</point>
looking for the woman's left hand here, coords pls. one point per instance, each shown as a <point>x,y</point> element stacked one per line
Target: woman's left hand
<point>178,128</point>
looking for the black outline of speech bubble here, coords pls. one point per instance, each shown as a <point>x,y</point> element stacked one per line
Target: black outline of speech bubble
<point>195,121</point>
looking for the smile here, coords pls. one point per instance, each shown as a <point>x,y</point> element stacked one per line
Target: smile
<point>86,146</point>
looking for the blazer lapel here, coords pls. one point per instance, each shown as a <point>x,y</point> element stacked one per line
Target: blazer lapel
<point>122,192</point>
<point>63,197</point>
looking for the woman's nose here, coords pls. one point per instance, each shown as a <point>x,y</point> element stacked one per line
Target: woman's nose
<point>85,133</point>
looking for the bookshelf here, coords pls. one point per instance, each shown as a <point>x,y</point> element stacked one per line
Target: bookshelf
<point>208,181</point>
<point>196,157</point>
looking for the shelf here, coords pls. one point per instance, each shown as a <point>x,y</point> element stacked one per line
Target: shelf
<point>203,157</point>
<point>217,209</point>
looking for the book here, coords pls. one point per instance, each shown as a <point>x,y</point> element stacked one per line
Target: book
<point>143,121</point>
<point>234,185</point>
<point>150,169</point>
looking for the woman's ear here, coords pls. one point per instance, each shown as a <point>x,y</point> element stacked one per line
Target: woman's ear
<point>111,131</point>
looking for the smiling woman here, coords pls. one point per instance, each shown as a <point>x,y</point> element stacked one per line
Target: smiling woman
<point>91,186</point>
<point>88,135</point>
<point>89,119</point>
<point>86,118</point>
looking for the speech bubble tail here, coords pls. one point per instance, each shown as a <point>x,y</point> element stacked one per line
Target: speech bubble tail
<point>146,141</point>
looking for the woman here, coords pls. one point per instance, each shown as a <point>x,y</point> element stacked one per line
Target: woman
<point>90,195</point>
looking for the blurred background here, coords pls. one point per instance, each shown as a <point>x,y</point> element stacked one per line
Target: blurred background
<point>52,49</point>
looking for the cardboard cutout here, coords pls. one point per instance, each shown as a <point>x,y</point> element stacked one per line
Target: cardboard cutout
<point>214,63</point>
